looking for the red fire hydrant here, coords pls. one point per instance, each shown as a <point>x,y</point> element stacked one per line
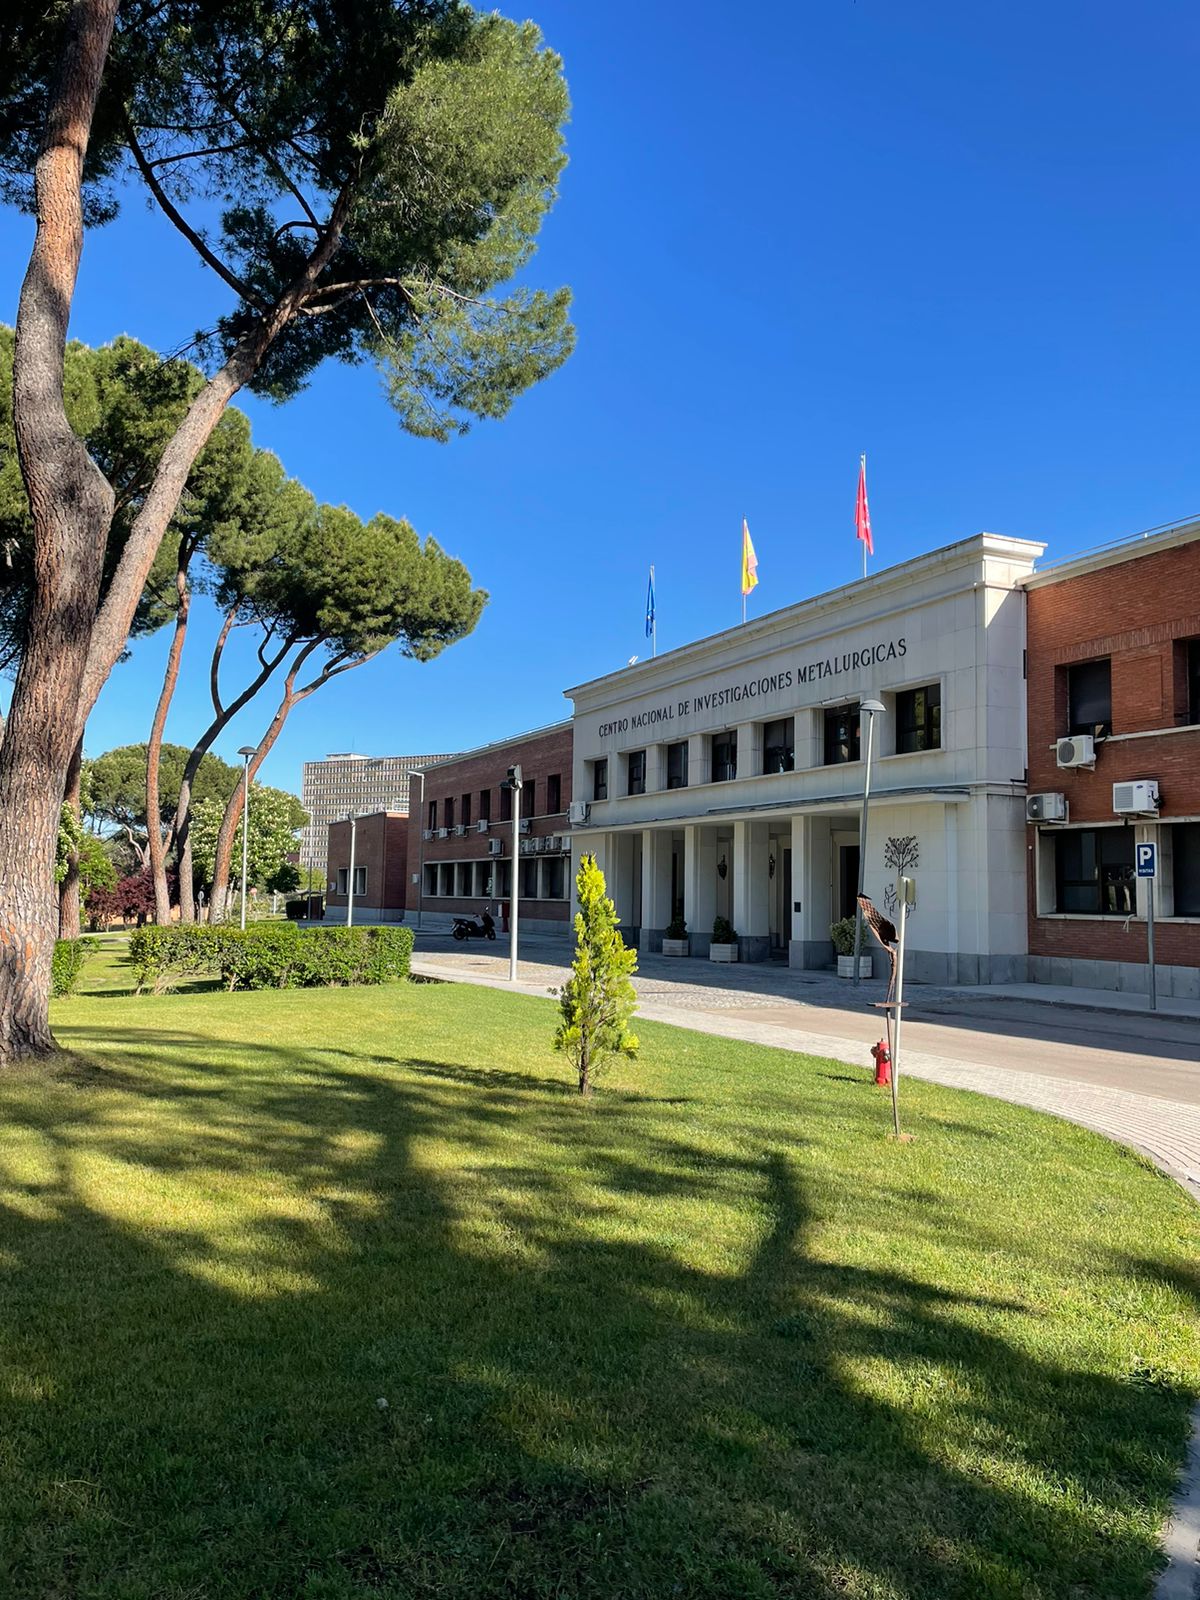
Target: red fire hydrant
<point>883,1063</point>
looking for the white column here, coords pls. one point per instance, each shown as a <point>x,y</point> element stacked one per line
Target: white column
<point>699,884</point>
<point>751,904</point>
<point>799,891</point>
<point>656,880</point>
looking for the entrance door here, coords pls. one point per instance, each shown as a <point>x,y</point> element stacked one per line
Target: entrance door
<point>848,879</point>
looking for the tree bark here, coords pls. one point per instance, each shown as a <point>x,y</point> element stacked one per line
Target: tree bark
<point>70,506</point>
<point>158,853</point>
<point>68,891</point>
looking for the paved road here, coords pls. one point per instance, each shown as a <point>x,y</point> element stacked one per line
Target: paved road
<point>1130,1075</point>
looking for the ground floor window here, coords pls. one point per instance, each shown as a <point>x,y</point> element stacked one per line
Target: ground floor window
<point>1094,872</point>
<point>554,879</point>
<point>1185,851</point>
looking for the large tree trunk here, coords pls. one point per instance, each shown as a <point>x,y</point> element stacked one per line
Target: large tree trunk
<point>68,892</point>
<point>71,507</point>
<point>158,853</point>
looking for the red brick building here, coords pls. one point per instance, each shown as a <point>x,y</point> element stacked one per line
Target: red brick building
<point>380,868</point>
<point>1113,684</point>
<point>461,831</point>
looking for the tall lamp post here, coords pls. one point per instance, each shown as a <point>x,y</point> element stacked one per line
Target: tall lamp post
<point>420,843</point>
<point>514,782</point>
<point>871,708</point>
<point>245,752</point>
<point>352,819</point>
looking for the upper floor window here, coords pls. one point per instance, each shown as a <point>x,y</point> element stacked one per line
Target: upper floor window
<point>1185,852</point>
<point>506,795</point>
<point>529,798</point>
<point>1089,697</point>
<point>919,719</point>
<point>432,814</point>
<point>841,734</point>
<point>724,756</point>
<point>636,772</point>
<point>448,811</point>
<point>466,810</point>
<point>553,794</point>
<point>485,805</point>
<point>1093,871</point>
<point>677,765</point>
<point>779,745</point>
<point>600,780</point>
<point>1193,679</point>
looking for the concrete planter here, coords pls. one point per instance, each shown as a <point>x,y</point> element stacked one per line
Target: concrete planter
<point>675,947</point>
<point>846,966</point>
<point>722,952</point>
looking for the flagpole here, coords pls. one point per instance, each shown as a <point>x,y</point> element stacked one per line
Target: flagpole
<point>863,463</point>
<point>653,618</point>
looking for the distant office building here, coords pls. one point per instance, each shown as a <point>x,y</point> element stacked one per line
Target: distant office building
<point>345,783</point>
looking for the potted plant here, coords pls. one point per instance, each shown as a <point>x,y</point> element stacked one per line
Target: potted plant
<point>724,941</point>
<point>675,939</point>
<point>842,934</point>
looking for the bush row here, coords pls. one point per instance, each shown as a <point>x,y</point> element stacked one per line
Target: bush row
<point>67,964</point>
<point>276,955</point>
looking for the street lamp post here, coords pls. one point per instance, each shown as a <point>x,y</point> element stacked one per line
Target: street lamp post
<point>353,821</point>
<point>872,708</point>
<point>420,844</point>
<point>514,782</point>
<point>245,752</point>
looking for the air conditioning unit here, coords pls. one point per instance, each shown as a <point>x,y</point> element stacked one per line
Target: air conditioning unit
<point>577,812</point>
<point>1077,751</point>
<point>564,843</point>
<point>1136,799</point>
<point>527,847</point>
<point>542,844</point>
<point>443,833</point>
<point>460,830</point>
<point>523,825</point>
<point>495,846</point>
<point>427,833</point>
<point>482,825</point>
<point>1045,808</point>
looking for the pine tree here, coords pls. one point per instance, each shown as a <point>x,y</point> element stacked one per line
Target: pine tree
<point>598,999</point>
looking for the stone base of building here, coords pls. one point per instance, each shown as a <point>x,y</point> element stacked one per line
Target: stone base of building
<point>1126,977</point>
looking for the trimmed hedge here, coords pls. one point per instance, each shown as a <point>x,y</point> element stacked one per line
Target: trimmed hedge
<point>67,964</point>
<point>275,955</point>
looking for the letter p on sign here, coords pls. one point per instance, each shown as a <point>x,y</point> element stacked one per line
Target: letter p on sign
<point>1146,856</point>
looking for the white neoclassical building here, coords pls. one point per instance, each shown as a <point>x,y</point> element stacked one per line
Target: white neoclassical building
<point>725,778</point>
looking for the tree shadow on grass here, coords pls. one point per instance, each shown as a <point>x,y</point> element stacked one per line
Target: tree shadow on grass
<point>212,1278</point>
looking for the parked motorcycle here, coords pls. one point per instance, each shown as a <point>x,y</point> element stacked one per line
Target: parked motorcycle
<point>468,928</point>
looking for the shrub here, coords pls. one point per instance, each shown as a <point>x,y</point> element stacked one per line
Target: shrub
<point>161,955</point>
<point>597,1000</point>
<point>723,931</point>
<point>67,964</point>
<point>842,934</point>
<point>273,955</point>
<point>265,957</point>
<point>676,929</point>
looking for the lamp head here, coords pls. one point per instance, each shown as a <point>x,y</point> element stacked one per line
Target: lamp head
<point>871,706</point>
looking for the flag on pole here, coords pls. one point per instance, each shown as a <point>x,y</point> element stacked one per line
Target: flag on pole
<point>862,515</point>
<point>749,561</point>
<point>650,606</point>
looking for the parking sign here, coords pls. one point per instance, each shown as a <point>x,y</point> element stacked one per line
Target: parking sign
<point>1146,856</point>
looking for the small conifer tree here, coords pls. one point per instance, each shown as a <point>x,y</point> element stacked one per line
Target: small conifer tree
<point>598,999</point>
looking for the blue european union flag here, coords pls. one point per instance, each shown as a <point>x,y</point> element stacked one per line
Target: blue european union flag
<point>650,606</point>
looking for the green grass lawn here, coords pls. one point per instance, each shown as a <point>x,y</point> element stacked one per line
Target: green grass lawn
<point>712,1335</point>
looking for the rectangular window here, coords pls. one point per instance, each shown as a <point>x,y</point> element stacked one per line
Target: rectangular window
<point>635,767</point>
<point>1093,871</point>
<point>466,810</point>
<point>505,804</point>
<point>600,780</point>
<point>431,886</point>
<point>1193,680</point>
<point>553,794</point>
<point>779,745</point>
<point>1185,846</point>
<point>343,879</point>
<point>446,878</point>
<point>841,735</point>
<point>432,813</point>
<point>529,798</point>
<point>554,879</point>
<point>448,812</point>
<point>360,880</point>
<point>677,765</point>
<point>485,805</point>
<point>724,756</point>
<point>919,719</point>
<point>503,879</point>
<point>529,880</point>
<point>1089,697</point>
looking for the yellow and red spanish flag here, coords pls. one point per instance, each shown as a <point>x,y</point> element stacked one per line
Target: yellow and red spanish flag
<point>749,561</point>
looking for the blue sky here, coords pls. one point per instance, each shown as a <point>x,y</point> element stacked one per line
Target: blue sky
<point>960,238</point>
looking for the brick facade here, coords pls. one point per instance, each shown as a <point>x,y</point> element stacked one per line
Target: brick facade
<point>381,863</point>
<point>1138,606</point>
<point>464,861</point>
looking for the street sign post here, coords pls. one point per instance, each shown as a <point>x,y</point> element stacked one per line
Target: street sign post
<point>1146,857</point>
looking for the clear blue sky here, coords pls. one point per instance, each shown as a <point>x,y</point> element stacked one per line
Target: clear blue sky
<point>961,238</point>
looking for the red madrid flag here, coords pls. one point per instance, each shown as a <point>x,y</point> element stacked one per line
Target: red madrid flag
<point>862,516</point>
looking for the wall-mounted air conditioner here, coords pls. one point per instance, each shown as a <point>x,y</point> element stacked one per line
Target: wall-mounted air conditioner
<point>460,830</point>
<point>577,812</point>
<point>1045,808</point>
<point>523,825</point>
<point>1077,751</point>
<point>564,843</point>
<point>1136,799</point>
<point>482,825</point>
<point>495,846</point>
<point>427,833</point>
<point>443,833</point>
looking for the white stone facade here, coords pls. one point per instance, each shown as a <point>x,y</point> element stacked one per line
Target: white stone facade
<point>776,851</point>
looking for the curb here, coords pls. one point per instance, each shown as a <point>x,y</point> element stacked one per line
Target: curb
<point>1180,1580</point>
